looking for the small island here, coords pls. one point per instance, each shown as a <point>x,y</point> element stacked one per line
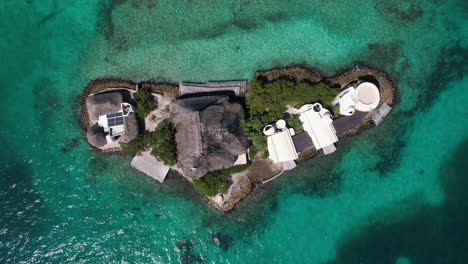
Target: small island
<point>227,136</point>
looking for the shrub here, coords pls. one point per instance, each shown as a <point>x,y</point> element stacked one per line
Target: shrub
<point>268,100</point>
<point>336,111</point>
<point>134,147</point>
<point>145,102</point>
<point>211,184</point>
<point>162,142</point>
<point>295,123</point>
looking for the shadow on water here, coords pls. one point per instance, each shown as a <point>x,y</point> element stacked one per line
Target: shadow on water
<point>23,213</point>
<point>433,235</point>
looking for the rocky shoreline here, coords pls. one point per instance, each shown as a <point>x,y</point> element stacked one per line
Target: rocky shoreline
<point>298,73</point>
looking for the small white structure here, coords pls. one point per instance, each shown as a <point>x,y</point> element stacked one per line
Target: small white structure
<point>317,122</point>
<point>365,97</point>
<point>241,160</point>
<point>381,113</point>
<point>113,123</point>
<point>280,145</point>
<point>150,166</point>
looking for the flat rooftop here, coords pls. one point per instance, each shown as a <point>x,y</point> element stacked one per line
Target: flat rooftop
<point>150,166</point>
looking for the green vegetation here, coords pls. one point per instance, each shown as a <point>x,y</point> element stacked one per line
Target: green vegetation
<point>145,102</point>
<point>161,141</point>
<point>268,100</point>
<point>295,123</point>
<point>211,184</point>
<point>253,126</point>
<point>134,147</point>
<point>336,111</point>
<point>217,181</point>
<point>235,169</point>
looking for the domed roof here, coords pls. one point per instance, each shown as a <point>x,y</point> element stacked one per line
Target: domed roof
<point>96,136</point>
<point>281,124</point>
<point>367,93</point>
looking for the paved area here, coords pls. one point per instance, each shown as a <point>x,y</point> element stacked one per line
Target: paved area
<point>345,123</point>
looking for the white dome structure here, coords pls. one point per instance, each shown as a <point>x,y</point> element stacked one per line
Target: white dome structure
<point>365,97</point>
<point>281,124</point>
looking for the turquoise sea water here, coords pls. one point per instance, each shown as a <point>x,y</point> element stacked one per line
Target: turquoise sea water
<point>394,194</point>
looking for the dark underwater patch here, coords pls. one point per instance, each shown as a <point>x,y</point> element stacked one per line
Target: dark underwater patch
<point>144,4</point>
<point>385,53</point>
<point>46,101</point>
<point>391,142</point>
<point>433,235</point>
<point>23,211</point>
<point>325,181</point>
<point>50,16</point>
<point>70,144</point>
<point>451,66</point>
<point>245,24</point>
<point>105,23</point>
<point>275,18</point>
<point>187,255</point>
<point>98,164</point>
<point>222,240</point>
<point>396,13</point>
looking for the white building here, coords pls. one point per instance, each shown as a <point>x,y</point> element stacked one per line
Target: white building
<point>113,123</point>
<point>280,144</point>
<point>317,122</point>
<point>365,97</point>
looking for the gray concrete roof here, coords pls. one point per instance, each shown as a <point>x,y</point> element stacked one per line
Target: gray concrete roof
<point>149,165</point>
<point>239,88</point>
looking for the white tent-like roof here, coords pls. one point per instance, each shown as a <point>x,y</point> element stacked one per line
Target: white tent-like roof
<point>281,147</point>
<point>317,121</point>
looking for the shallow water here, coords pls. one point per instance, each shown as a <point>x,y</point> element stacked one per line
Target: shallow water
<point>393,194</point>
